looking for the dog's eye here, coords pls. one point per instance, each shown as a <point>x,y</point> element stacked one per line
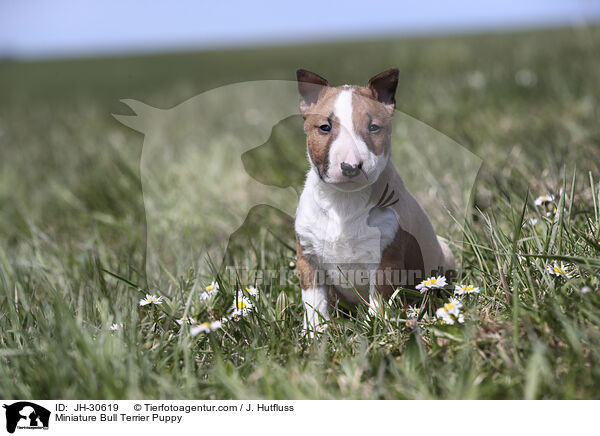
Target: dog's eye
<point>325,128</point>
<point>374,128</point>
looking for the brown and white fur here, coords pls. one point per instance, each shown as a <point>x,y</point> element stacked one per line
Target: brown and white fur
<point>355,219</point>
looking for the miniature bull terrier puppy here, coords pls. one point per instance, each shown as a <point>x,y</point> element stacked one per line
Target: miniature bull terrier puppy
<point>359,230</point>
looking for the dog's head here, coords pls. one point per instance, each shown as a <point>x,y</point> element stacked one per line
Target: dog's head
<point>348,128</point>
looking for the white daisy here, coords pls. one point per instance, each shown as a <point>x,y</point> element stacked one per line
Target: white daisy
<point>450,312</point>
<point>116,326</point>
<point>559,269</point>
<point>206,327</point>
<point>186,320</point>
<point>241,305</point>
<point>466,289</point>
<point>544,199</point>
<point>150,299</point>
<point>432,283</point>
<point>210,290</point>
<point>252,291</point>
<point>213,287</point>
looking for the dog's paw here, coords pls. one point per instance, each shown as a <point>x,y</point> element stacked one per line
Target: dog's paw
<point>376,309</point>
<point>310,330</point>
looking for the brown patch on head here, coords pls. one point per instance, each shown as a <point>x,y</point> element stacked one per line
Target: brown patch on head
<point>367,113</point>
<point>317,99</point>
<point>316,106</point>
<point>374,106</point>
<point>318,141</point>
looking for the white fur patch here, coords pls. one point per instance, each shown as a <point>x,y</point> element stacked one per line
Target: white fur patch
<point>315,308</point>
<point>348,147</point>
<point>336,227</point>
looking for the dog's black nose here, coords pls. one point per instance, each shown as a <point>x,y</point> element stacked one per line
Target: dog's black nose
<point>350,170</point>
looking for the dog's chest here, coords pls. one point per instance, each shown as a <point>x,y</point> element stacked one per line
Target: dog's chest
<point>340,228</point>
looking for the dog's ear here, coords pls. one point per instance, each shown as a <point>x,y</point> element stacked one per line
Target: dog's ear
<point>384,86</point>
<point>310,86</point>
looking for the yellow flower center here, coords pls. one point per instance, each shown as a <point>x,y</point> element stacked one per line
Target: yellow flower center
<point>448,307</point>
<point>469,288</point>
<point>210,287</point>
<point>205,324</point>
<point>430,282</point>
<point>558,270</point>
<point>241,304</point>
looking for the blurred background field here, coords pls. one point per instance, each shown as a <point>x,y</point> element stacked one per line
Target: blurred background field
<point>71,209</point>
<point>500,96</point>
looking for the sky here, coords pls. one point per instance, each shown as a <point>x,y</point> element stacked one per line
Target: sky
<point>73,28</point>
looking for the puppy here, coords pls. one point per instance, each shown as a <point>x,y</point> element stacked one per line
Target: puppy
<point>358,229</point>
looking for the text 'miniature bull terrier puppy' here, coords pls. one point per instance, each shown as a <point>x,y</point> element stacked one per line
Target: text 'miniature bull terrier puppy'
<point>359,230</point>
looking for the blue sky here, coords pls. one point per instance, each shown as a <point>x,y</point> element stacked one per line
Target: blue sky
<point>64,28</point>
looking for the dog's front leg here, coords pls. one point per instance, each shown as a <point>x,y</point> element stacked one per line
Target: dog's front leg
<point>314,296</point>
<point>316,311</point>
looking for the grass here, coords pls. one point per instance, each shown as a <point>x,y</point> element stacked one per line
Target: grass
<point>73,231</point>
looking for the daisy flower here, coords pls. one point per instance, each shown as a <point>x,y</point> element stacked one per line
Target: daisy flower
<point>252,291</point>
<point>150,299</point>
<point>241,305</point>
<point>466,289</point>
<point>450,312</point>
<point>559,269</point>
<point>206,327</point>
<point>432,283</point>
<point>116,326</point>
<point>544,199</point>
<point>209,290</point>
<point>186,320</point>
<point>213,287</point>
